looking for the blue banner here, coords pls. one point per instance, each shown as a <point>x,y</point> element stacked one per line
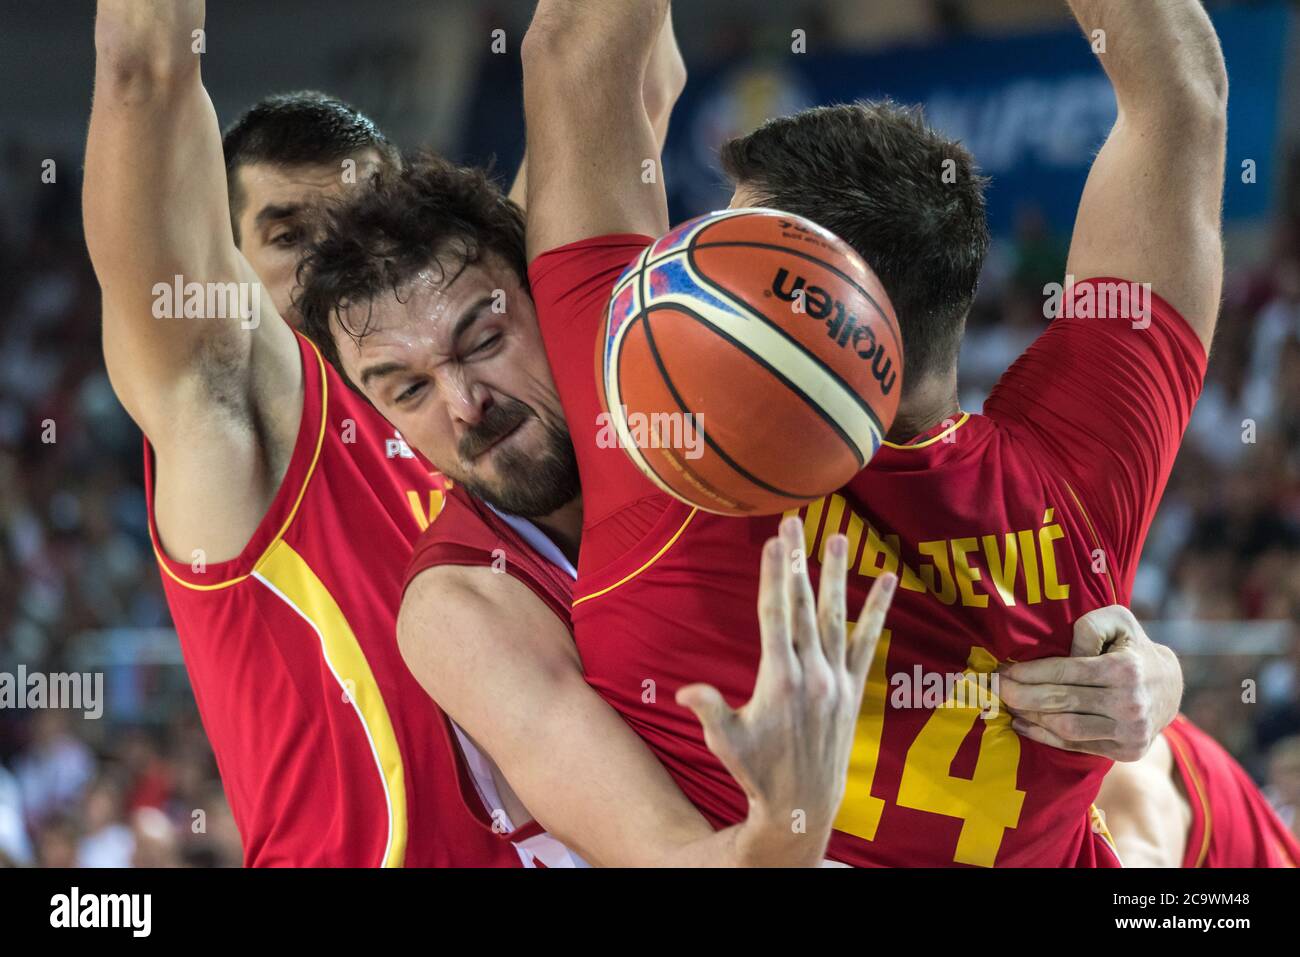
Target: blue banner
<point>1033,109</point>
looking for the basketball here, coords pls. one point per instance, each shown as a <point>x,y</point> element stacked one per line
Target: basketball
<point>752,362</point>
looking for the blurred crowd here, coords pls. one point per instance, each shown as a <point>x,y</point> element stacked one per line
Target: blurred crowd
<point>1223,554</point>
<point>79,589</point>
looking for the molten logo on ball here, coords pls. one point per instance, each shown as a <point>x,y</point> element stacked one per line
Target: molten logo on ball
<point>817,303</point>
<point>701,325</point>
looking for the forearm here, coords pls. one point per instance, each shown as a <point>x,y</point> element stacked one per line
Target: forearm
<point>665,78</point>
<point>597,787</point>
<point>153,153</point>
<point>758,841</point>
<point>580,36</point>
<point>154,200</point>
<point>1160,54</point>
<point>589,138</point>
<point>140,39</point>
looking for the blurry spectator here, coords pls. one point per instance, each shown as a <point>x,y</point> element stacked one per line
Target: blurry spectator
<point>1283,787</point>
<point>56,842</point>
<point>108,842</point>
<point>150,775</point>
<point>155,839</point>
<point>54,769</point>
<point>1040,253</point>
<point>15,848</point>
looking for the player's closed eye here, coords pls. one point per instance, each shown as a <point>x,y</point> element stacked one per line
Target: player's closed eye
<point>409,393</point>
<point>486,344</point>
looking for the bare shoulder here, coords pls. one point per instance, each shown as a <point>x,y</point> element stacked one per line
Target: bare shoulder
<point>462,628</point>
<point>468,600</point>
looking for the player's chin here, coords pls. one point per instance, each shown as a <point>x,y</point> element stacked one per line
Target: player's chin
<point>501,463</point>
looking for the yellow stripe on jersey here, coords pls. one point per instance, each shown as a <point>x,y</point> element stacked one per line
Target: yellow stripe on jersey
<point>1097,822</point>
<point>1096,542</point>
<point>1201,798</point>
<point>654,558</point>
<point>965,417</point>
<point>302,491</point>
<point>287,574</point>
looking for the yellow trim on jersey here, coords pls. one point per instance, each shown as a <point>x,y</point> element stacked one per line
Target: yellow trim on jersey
<point>287,574</point>
<point>1096,542</point>
<point>654,558</point>
<point>965,416</point>
<point>1097,821</point>
<point>311,469</point>
<point>1200,796</point>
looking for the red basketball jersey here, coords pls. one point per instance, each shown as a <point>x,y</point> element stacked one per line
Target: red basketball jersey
<point>330,752</point>
<point>1233,825</point>
<point>1003,528</point>
<point>469,533</point>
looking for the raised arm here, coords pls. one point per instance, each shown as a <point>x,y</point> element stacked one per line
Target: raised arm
<point>593,158</point>
<point>155,208</point>
<point>1152,206</point>
<point>665,78</point>
<point>498,661</point>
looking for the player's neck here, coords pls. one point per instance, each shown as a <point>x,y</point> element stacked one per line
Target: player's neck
<point>925,405</point>
<point>564,528</point>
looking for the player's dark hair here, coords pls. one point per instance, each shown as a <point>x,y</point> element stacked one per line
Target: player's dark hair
<point>908,199</point>
<point>430,213</point>
<point>298,129</point>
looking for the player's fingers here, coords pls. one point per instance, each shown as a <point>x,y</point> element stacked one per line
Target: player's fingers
<point>1057,671</point>
<point>716,717</point>
<point>1036,732</point>
<point>778,659</point>
<point>830,599</point>
<point>1099,628</point>
<point>799,594</point>
<point>866,633</point>
<point>1056,699</point>
<point>708,705</point>
<point>1078,729</point>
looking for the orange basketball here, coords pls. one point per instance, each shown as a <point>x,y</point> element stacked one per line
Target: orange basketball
<point>752,362</point>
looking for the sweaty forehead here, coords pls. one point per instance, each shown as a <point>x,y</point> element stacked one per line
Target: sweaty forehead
<point>425,313</point>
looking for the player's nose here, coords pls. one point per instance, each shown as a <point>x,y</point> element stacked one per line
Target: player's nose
<point>467,400</point>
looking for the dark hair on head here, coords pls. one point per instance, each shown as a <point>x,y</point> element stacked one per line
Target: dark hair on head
<point>298,129</point>
<point>908,199</point>
<point>430,213</point>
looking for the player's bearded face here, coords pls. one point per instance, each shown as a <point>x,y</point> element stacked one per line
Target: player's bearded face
<point>456,363</point>
<point>532,478</point>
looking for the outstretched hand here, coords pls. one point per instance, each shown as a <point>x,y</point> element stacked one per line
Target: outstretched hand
<point>789,746</point>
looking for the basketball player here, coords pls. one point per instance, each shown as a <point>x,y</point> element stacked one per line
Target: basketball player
<point>465,383</point>
<point>1069,459</point>
<point>282,508</point>
<point>1187,803</point>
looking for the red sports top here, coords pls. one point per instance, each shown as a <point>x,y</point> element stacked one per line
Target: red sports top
<point>1233,825</point>
<point>330,752</point>
<point>1003,528</point>
<point>467,532</point>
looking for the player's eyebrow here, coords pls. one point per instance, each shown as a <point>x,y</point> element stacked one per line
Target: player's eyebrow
<point>273,212</point>
<point>380,371</point>
<point>470,316</point>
